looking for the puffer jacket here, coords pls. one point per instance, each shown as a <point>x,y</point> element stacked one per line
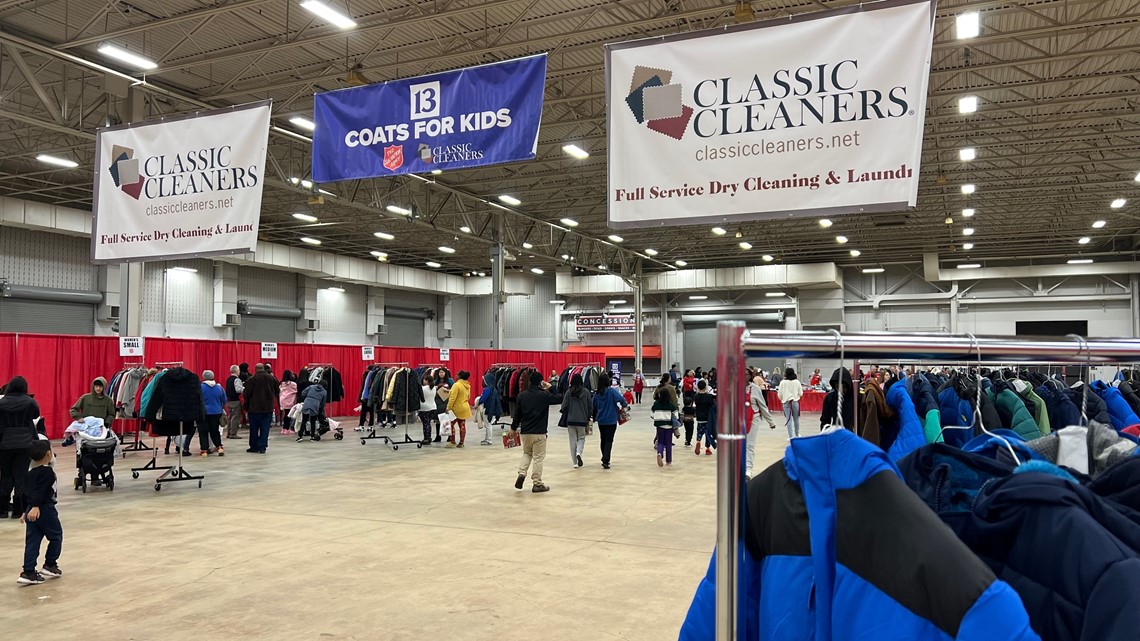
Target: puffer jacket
<point>1128,391</point>
<point>1021,421</point>
<point>460,400</point>
<point>908,435</point>
<point>1097,410</point>
<point>956,411</point>
<point>18,413</point>
<point>925,405</point>
<point>1118,408</point>
<point>1062,411</point>
<point>178,393</point>
<point>577,407</point>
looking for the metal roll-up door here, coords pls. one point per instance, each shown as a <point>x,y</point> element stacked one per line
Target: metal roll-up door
<point>46,317</point>
<point>403,332</point>
<point>267,328</point>
<point>700,338</point>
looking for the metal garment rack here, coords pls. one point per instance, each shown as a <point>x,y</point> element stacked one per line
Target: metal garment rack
<point>172,473</point>
<point>137,445</point>
<point>735,343</point>
<point>372,432</point>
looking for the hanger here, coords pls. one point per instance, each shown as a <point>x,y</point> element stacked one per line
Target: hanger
<point>978,406</point>
<point>838,424</point>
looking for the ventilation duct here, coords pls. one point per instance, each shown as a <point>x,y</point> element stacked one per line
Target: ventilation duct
<point>770,317</point>
<point>413,313</point>
<point>27,292</point>
<point>246,309</point>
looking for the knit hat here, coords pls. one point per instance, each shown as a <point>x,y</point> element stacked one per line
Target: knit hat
<point>208,375</point>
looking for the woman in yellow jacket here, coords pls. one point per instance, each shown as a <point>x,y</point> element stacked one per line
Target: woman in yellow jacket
<point>459,403</point>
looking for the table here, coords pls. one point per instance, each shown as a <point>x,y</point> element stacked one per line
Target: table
<point>812,401</point>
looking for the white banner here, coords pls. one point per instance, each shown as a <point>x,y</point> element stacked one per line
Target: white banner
<point>368,352</point>
<point>131,345</point>
<point>269,351</point>
<point>180,187</point>
<point>821,114</point>
<point>444,354</point>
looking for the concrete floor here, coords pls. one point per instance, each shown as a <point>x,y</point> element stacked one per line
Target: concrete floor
<point>338,541</point>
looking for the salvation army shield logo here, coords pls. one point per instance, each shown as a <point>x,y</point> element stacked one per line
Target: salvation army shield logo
<point>393,157</point>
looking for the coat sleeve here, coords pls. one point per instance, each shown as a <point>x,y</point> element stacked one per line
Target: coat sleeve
<point>77,408</point>
<point>700,622</point>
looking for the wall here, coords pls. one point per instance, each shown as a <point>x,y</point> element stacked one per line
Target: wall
<point>46,260</point>
<point>179,303</point>
<point>530,320</point>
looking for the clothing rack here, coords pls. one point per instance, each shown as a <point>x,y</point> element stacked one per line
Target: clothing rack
<point>168,364</point>
<point>510,365</point>
<point>387,439</point>
<point>137,445</point>
<point>171,473</point>
<point>735,343</point>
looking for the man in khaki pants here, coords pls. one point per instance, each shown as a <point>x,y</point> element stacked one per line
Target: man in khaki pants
<point>531,417</point>
<point>234,389</point>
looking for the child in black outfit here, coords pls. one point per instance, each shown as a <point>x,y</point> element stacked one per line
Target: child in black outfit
<point>41,517</point>
<point>689,413</point>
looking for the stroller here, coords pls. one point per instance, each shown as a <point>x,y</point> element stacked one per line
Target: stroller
<point>97,447</point>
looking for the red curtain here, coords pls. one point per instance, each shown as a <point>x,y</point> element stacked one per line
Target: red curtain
<point>60,368</point>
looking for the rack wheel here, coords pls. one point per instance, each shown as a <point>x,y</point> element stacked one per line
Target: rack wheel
<point>395,448</point>
<point>158,487</point>
<point>419,446</point>
<point>363,442</point>
<point>134,475</point>
<point>338,436</point>
<point>199,485</point>
<point>110,486</point>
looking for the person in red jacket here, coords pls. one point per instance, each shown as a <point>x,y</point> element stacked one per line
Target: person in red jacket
<point>638,384</point>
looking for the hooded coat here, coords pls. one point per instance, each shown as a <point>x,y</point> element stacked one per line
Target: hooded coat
<point>956,411</point>
<point>1097,410</point>
<point>577,406</point>
<point>1020,420</point>
<point>1062,411</point>
<point>97,405</point>
<point>837,547</point>
<point>460,400</point>
<point>829,401</point>
<point>490,400</point>
<point>214,397</point>
<point>873,409</point>
<point>1118,408</point>
<point>910,435</point>
<point>313,400</point>
<point>178,393</point>
<point>18,413</point>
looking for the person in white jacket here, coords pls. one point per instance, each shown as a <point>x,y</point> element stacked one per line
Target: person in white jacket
<point>759,411</point>
<point>791,391</point>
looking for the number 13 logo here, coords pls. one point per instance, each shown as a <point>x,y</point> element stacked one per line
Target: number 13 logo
<point>425,100</point>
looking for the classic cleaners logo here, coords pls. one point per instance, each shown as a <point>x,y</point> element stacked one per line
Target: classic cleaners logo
<point>125,171</point>
<point>656,103</point>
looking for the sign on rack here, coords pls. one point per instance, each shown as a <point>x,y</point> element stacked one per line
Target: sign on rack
<point>594,323</point>
<point>181,186</point>
<point>471,117</point>
<point>269,351</point>
<point>817,114</point>
<point>131,345</point>
<point>368,353</point>
<point>444,354</point>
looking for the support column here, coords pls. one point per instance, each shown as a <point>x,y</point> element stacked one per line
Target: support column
<point>443,322</point>
<point>666,336</point>
<point>131,274</point>
<point>374,309</point>
<point>225,293</point>
<point>638,321</point>
<point>307,302</point>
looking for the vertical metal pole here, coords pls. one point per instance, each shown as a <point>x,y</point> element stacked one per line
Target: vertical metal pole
<point>638,323</point>
<point>729,479</point>
<point>498,266</point>
<point>131,274</point>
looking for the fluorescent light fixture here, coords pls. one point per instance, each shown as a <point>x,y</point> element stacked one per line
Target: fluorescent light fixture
<point>967,25</point>
<point>537,270</point>
<point>339,290</point>
<point>873,270</point>
<point>465,229</point>
<point>1084,240</point>
<point>565,256</point>
<point>680,263</point>
<point>396,209</point>
<point>746,245</point>
<point>436,172</point>
<point>482,274</point>
<point>619,301</point>
<point>1080,261</point>
<point>325,192</point>
<point>447,250</point>
<point>377,253</point>
<point>129,57</point>
<point>967,246</point>
<point>602,267</point>
<point>968,212</point>
<point>58,162</point>
<point>309,218</point>
<point>967,154</point>
<point>569,222</point>
<point>825,222</point>
<point>303,123</point>
<point>968,231</point>
<point>557,302</point>
<point>383,235</point>
<point>1138,178</point>
<point>856,253</point>
<point>967,104</point>
<point>969,188</point>
<point>328,14</point>
<point>184,270</point>
<point>698,297</point>
<point>433,264</point>
<point>310,241</point>
<point>719,231</point>
<point>616,239</point>
<point>650,252</point>
<point>768,258</point>
<point>528,246</point>
<point>576,151</point>
<point>1098,224</point>
<point>510,200</point>
<point>842,240</point>
<point>969,266</point>
<point>774,294</point>
<point>1118,203</point>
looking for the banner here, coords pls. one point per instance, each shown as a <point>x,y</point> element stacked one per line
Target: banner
<point>593,323</point>
<point>467,118</point>
<point>819,114</point>
<point>180,187</point>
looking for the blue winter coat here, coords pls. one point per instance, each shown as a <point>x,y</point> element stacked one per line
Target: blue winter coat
<point>313,399</point>
<point>1118,408</point>
<point>955,410</point>
<point>492,404</point>
<point>606,404</point>
<point>214,396</point>
<point>824,558</point>
<point>910,431</point>
<point>1062,411</point>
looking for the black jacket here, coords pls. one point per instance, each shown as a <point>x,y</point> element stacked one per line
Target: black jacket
<point>179,394</point>
<point>232,394</point>
<point>829,401</point>
<point>407,395</point>
<point>18,413</point>
<point>532,410</point>
<point>260,393</point>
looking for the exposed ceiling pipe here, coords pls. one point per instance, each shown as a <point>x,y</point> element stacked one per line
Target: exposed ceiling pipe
<point>913,299</point>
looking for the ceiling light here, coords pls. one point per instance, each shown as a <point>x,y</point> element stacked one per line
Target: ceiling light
<point>536,270</point>
<point>1118,203</point>
<point>378,254</point>
<point>967,25</point>
<point>482,274</point>
<point>719,231</point>
<point>1138,178</point>
<point>969,266</point>
<point>680,263</point>
<point>969,189</point>
<point>447,250</point>
<point>619,301</point>
<point>327,193</point>
<point>1080,261</point>
<point>967,104</point>
<point>558,302</point>
<point>310,241</point>
<point>303,123</point>
<point>1084,240</point>
<point>129,57</point>
<point>569,222</point>
<point>967,246</point>
<point>968,212</point>
<point>330,15</point>
<point>616,239</point>
<point>856,253</point>
<point>58,162</point>
<point>746,245</point>
<point>767,258</point>
<point>510,200</point>
<point>602,267</point>
<point>651,252</point>
<point>465,229</point>
<point>339,290</point>
<point>576,151</point>
<point>967,154</point>
<point>873,270</point>
<point>307,184</point>
<point>774,294</point>
<point>185,270</point>
<point>948,220</point>
<point>1098,224</point>
<point>528,246</point>
<point>433,264</point>
<point>825,223</point>
<point>969,231</point>
<point>841,239</point>
<point>383,235</point>
<point>565,256</point>
<point>698,297</point>
<point>436,172</point>
<point>396,209</point>
<point>309,218</point>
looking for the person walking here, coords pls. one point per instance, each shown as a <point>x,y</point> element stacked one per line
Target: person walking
<point>459,404</point>
<point>234,387</point>
<point>638,385</point>
<point>759,403</point>
<point>18,414</point>
<point>489,407</point>
<point>260,398</point>
<point>790,392</point>
<point>576,412</point>
<point>531,419</point>
<point>705,404</point>
<point>286,399</point>
<point>606,404</point>
<point>214,398</point>
<point>664,412</point>
<point>41,517</point>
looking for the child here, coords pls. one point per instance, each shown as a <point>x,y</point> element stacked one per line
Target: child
<point>313,399</point>
<point>689,413</point>
<point>41,517</point>
<point>663,411</point>
<point>704,406</point>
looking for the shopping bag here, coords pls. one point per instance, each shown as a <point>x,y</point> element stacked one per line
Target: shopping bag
<point>444,426</point>
<point>562,420</point>
<point>511,439</point>
<point>333,425</point>
<point>623,415</point>
<point>445,418</point>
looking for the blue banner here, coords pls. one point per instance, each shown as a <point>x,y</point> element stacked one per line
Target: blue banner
<point>467,118</point>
